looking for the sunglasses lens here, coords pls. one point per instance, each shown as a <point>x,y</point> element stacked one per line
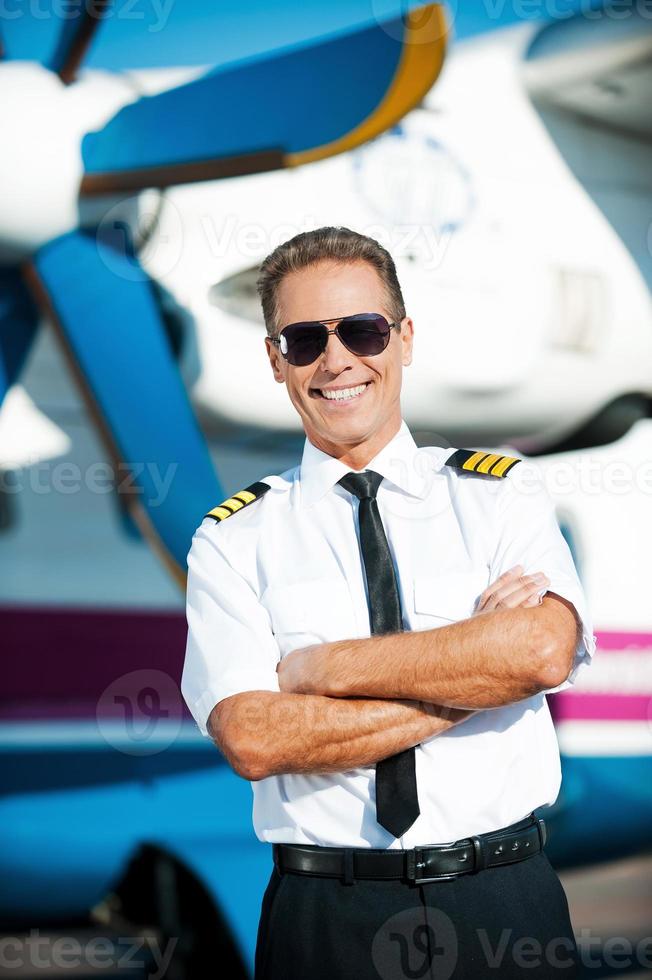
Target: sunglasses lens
<point>365,335</point>
<point>303,342</point>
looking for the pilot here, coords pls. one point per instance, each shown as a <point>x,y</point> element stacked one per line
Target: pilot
<point>371,636</point>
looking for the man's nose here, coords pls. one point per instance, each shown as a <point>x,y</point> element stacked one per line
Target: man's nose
<point>336,356</point>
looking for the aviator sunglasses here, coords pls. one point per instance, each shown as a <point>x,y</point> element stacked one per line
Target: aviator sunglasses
<point>364,334</point>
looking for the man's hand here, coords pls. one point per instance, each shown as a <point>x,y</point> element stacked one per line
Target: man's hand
<point>513,589</point>
<point>298,672</point>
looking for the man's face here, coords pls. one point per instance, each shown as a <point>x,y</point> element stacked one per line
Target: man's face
<point>321,292</point>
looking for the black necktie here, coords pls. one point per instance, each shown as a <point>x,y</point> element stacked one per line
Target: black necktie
<point>397,803</point>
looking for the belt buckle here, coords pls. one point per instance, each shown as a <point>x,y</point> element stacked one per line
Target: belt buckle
<point>415,861</point>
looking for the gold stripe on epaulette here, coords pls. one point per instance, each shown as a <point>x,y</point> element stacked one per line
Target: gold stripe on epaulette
<point>245,496</point>
<point>473,461</point>
<point>505,462</point>
<point>232,504</point>
<point>219,512</point>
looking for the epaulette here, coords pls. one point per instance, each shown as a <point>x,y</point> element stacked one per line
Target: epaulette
<point>239,500</point>
<point>487,464</point>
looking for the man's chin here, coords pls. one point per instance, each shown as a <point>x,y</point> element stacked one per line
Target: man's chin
<point>350,429</point>
<point>349,424</point>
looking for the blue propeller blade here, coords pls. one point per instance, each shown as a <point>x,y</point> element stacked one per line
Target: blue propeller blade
<point>278,111</point>
<point>75,38</point>
<point>103,306</point>
<point>18,323</point>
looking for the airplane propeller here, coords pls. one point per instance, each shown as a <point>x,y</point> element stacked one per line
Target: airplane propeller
<point>346,76</point>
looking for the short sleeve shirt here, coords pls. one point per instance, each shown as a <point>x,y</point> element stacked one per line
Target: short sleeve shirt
<point>286,572</point>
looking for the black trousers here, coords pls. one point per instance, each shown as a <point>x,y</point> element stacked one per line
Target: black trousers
<point>508,922</point>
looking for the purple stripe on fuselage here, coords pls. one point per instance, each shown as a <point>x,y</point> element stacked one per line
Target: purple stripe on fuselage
<point>615,686</point>
<point>59,662</point>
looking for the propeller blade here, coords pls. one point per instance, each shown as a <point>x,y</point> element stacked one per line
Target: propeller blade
<point>75,38</point>
<point>18,324</point>
<point>282,110</point>
<point>103,308</point>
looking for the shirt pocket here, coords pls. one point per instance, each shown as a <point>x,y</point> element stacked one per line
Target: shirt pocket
<point>318,611</point>
<point>446,598</point>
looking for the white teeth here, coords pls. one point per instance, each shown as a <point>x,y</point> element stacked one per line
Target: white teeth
<point>341,393</point>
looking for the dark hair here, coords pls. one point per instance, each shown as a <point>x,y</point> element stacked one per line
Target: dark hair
<point>328,244</point>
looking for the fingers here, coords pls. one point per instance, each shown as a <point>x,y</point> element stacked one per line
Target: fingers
<point>511,575</point>
<point>534,600</point>
<point>513,589</point>
<point>529,593</point>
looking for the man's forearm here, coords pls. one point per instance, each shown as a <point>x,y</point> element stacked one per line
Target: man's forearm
<point>263,733</point>
<point>487,661</point>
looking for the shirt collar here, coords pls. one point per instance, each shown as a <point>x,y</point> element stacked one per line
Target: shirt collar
<point>397,462</point>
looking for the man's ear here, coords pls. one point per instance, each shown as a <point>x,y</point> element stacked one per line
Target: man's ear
<point>406,338</point>
<point>275,359</point>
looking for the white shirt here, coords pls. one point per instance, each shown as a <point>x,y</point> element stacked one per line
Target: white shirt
<point>286,572</point>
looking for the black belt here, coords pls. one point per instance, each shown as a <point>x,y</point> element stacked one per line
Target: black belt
<point>419,864</point>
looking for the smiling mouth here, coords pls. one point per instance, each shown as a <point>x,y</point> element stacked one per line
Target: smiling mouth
<point>341,394</point>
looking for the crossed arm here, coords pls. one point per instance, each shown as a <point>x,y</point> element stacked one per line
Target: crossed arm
<point>484,662</point>
<point>348,704</point>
